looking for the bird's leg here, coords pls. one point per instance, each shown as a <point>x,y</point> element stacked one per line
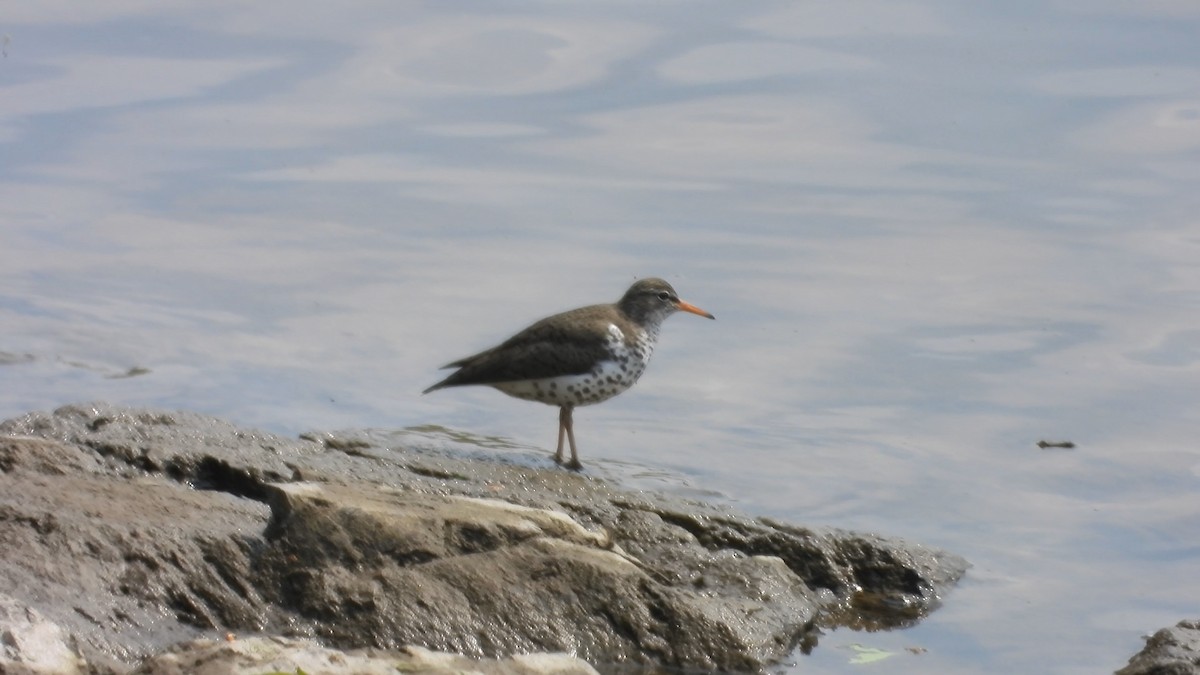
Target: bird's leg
<point>574,464</point>
<point>563,414</point>
<point>566,426</point>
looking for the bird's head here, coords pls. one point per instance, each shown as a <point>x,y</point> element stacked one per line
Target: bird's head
<point>650,301</point>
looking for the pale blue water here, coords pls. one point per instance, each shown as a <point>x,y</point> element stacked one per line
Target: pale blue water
<point>933,233</point>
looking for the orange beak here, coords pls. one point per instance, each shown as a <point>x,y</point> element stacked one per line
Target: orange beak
<point>688,307</point>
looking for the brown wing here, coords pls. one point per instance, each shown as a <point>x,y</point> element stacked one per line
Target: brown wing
<point>564,344</point>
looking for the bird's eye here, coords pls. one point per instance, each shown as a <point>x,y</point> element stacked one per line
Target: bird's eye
<point>664,296</point>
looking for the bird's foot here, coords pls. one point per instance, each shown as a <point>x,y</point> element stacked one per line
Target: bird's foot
<point>573,465</point>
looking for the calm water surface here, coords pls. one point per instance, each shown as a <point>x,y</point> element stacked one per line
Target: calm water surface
<point>933,233</point>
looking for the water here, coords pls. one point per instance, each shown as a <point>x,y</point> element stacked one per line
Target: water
<point>933,234</point>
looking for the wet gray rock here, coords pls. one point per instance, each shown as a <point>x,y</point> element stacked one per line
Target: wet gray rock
<point>430,567</point>
<point>1170,651</point>
<point>255,656</point>
<point>134,530</point>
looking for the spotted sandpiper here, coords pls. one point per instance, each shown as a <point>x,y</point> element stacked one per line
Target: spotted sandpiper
<point>580,357</point>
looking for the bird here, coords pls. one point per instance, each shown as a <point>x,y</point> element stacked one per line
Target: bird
<point>578,357</point>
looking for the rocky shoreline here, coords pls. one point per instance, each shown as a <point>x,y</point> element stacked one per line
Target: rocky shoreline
<point>137,539</point>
